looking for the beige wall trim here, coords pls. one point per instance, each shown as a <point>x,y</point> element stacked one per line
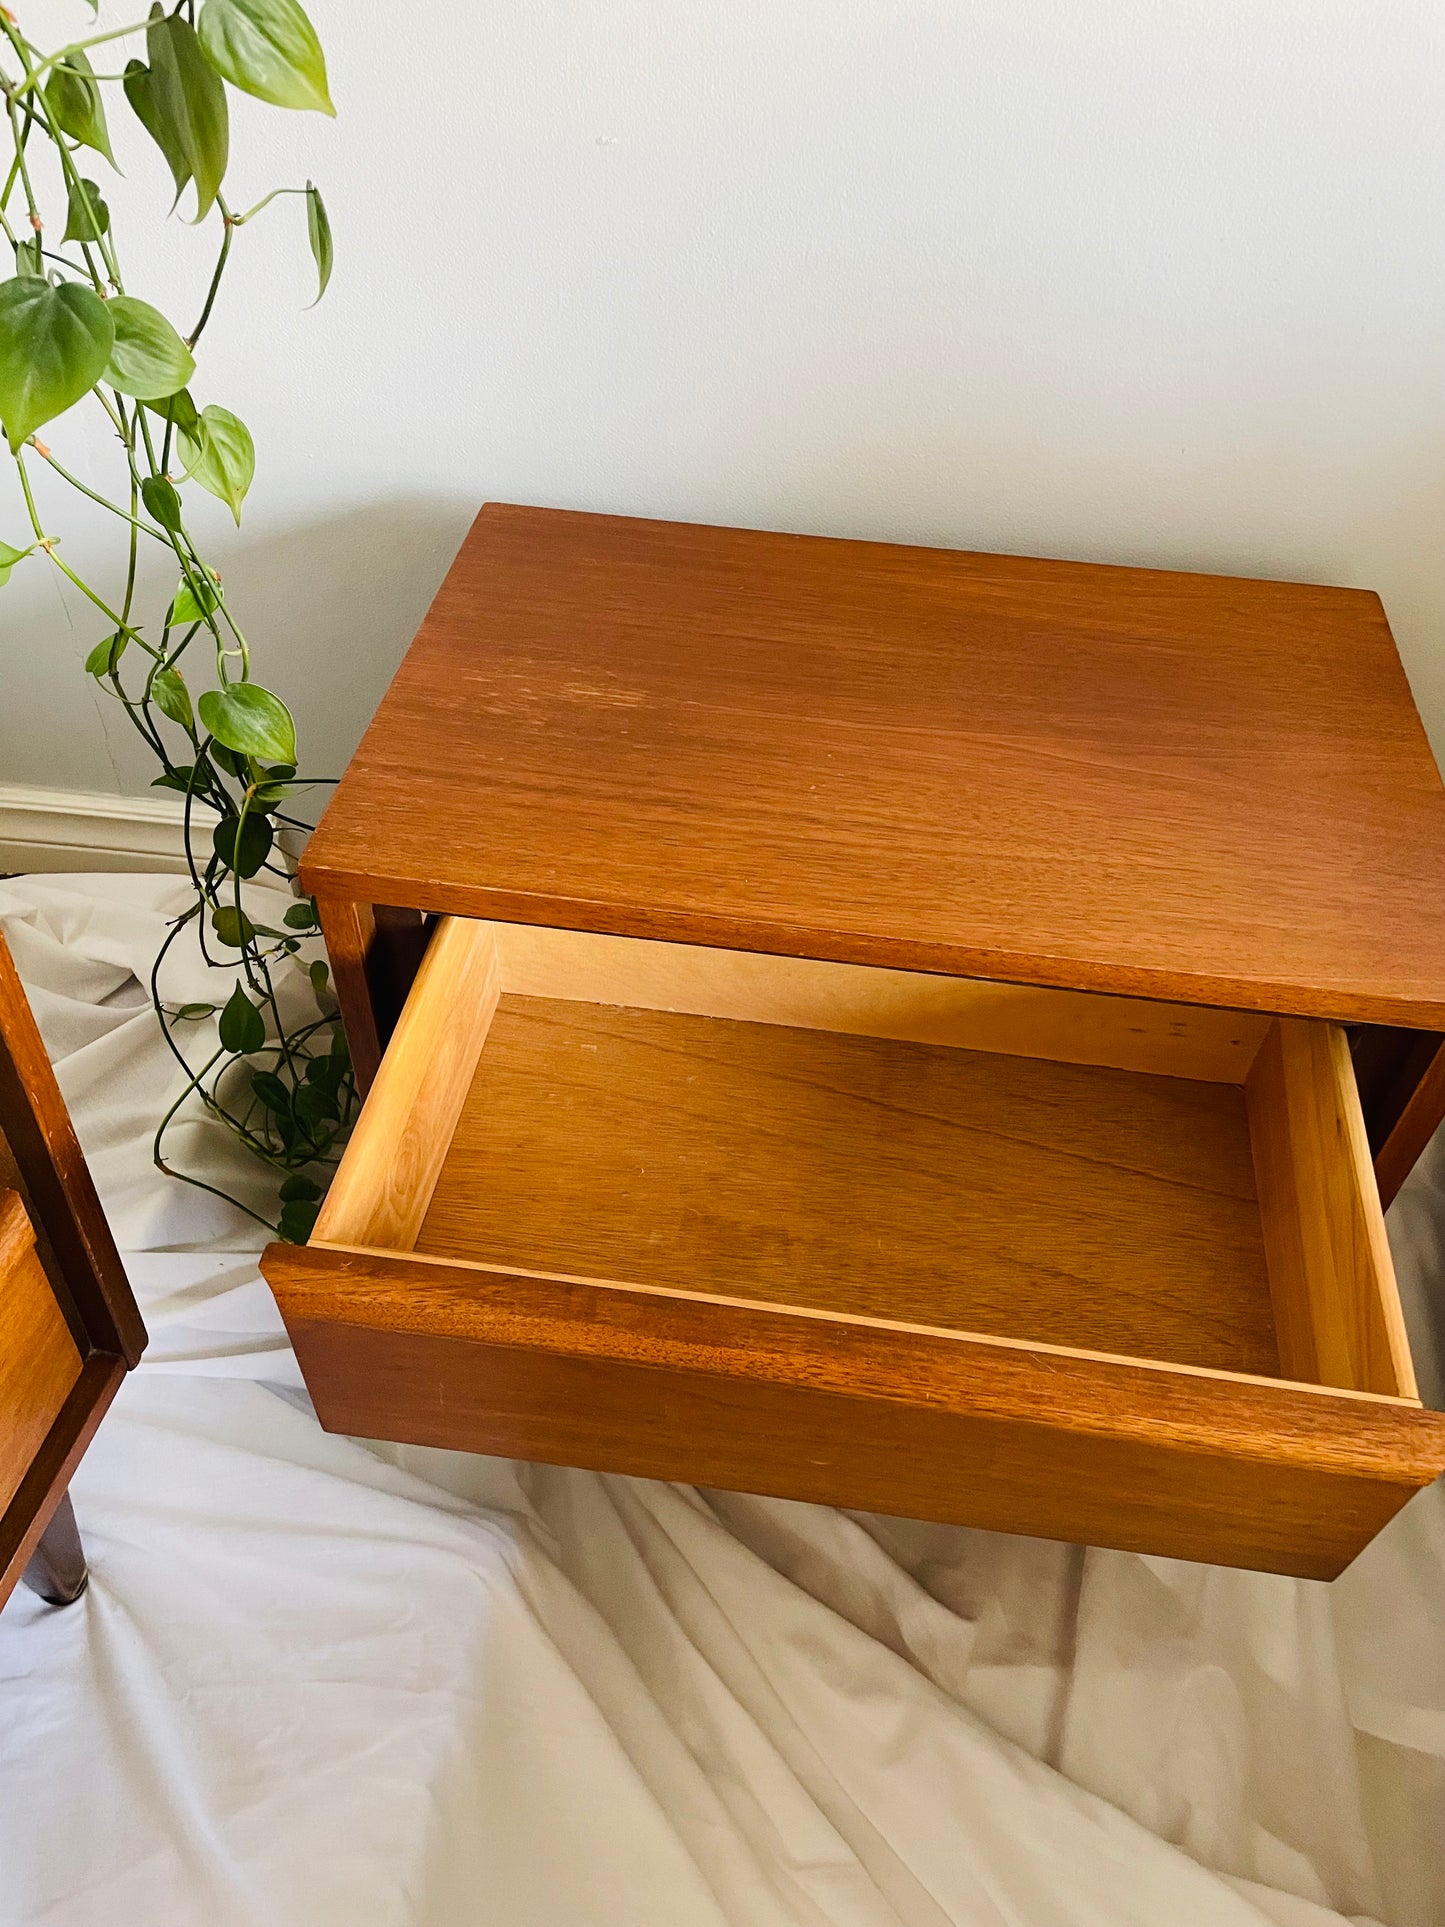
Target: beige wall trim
<point>45,829</point>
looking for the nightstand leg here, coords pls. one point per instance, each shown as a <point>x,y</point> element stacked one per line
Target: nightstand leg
<point>375,953</point>
<point>57,1569</point>
<point>1401,1075</point>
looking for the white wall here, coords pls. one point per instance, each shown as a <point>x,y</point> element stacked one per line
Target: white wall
<point>1158,281</point>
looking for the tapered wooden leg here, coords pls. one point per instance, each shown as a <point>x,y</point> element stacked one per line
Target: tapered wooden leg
<point>57,1569</point>
<point>350,932</point>
<point>1416,1122</point>
<point>375,953</point>
<point>1401,1076</point>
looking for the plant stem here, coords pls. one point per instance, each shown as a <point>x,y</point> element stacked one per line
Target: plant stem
<point>240,220</point>
<point>75,482</point>
<point>62,54</point>
<point>229,225</point>
<point>46,542</point>
<point>31,204</point>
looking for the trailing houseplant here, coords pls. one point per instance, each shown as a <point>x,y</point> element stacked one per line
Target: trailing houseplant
<point>74,334</point>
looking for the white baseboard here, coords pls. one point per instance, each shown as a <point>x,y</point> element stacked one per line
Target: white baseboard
<point>43,829</point>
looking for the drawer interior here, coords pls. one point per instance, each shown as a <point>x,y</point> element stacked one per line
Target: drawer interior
<point>1097,1174</point>
<point>1088,1207</point>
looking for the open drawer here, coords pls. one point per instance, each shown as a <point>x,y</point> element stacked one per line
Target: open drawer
<point>1072,1265</point>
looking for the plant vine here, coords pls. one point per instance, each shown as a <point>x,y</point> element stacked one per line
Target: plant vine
<point>72,333</point>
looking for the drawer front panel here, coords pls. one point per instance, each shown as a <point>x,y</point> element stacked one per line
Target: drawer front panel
<point>802,1443</point>
<point>1197,1465</point>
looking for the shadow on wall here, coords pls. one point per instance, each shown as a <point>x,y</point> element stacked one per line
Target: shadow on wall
<point>328,606</point>
<point>331,606</point>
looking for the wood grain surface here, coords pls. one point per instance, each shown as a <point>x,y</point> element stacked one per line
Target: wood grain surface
<point>12,1178</point>
<point>75,1240</point>
<point>1203,789</point>
<point>351,940</point>
<point>71,1326</point>
<point>1071,1027</point>
<point>1229,1470</point>
<point>1337,1305</point>
<point>39,1361</point>
<point>1078,1206</point>
<point>381,1191</point>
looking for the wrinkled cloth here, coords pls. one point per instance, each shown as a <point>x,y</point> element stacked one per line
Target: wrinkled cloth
<point>316,1680</point>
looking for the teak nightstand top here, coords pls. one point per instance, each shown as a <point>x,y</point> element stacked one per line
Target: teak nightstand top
<point>1196,788</point>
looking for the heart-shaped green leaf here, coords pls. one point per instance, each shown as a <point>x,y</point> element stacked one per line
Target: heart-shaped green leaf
<point>242,846</point>
<point>149,360</point>
<point>219,454</point>
<point>171,697</point>
<point>72,95</point>
<point>250,721</point>
<point>162,503</point>
<point>273,790</point>
<point>193,1013</point>
<point>106,655</point>
<point>232,926</point>
<point>180,410</point>
<point>226,760</point>
<point>140,91</point>
<point>297,1220</point>
<point>272,1092</point>
<point>187,607</point>
<point>318,229</point>
<point>243,1028</point>
<point>54,344</point>
<point>86,215</point>
<point>326,1071</point>
<point>8,558</point>
<point>314,1105</point>
<point>267,48</point>
<point>186,100</point>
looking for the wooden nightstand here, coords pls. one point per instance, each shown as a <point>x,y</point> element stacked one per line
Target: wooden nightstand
<point>894,1037</point>
<point>69,1327</point>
